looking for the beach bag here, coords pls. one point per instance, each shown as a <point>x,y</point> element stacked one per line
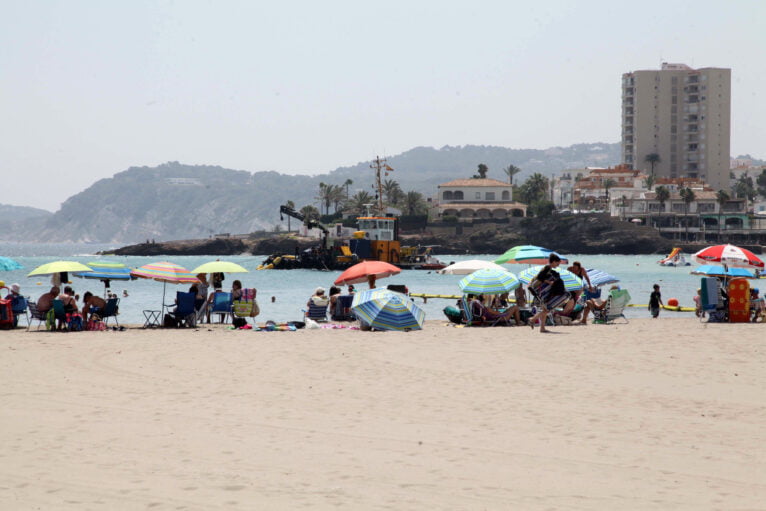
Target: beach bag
<point>453,314</point>
<point>74,322</point>
<point>238,322</point>
<point>6,314</point>
<point>50,320</point>
<point>246,309</point>
<point>95,325</point>
<point>169,321</point>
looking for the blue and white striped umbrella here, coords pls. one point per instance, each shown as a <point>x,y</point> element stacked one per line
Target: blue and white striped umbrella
<point>384,309</point>
<point>601,278</point>
<point>571,281</point>
<point>8,264</point>
<point>489,281</point>
<point>713,270</point>
<point>106,270</point>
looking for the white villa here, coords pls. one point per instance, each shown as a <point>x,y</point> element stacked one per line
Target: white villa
<point>467,199</point>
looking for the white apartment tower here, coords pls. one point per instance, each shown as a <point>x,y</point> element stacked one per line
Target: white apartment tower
<point>683,116</point>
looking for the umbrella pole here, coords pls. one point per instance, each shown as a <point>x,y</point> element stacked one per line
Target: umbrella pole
<point>164,284</point>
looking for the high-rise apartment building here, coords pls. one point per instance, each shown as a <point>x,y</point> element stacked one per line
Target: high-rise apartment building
<point>682,115</point>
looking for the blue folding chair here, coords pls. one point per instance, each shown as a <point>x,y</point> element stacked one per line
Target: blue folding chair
<point>110,311</point>
<point>222,306</point>
<point>184,312</point>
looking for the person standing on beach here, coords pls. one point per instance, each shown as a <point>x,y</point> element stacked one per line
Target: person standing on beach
<point>655,301</point>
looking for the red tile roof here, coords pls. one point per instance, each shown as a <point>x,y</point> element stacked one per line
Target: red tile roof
<point>475,183</point>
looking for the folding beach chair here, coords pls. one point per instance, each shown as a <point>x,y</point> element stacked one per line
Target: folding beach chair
<point>342,311</point>
<point>19,308</point>
<point>221,306</point>
<point>316,312</point>
<point>110,311</point>
<point>615,306</point>
<point>183,310</point>
<point>34,314</point>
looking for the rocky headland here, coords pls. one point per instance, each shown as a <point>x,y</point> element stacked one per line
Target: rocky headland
<point>579,234</point>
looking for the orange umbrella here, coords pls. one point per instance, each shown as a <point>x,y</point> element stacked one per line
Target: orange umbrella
<point>360,272</point>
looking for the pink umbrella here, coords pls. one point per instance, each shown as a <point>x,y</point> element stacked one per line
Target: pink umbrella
<point>729,255</point>
<point>359,272</point>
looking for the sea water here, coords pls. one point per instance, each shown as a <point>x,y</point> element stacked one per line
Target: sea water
<point>282,294</point>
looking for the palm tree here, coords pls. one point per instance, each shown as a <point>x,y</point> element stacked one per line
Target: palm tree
<point>652,159</point>
<point>324,197</point>
<point>310,212</point>
<point>392,191</point>
<point>608,183</point>
<point>687,194</point>
<point>534,189</point>
<point>348,183</point>
<point>510,171</point>
<point>414,203</point>
<point>721,197</point>
<point>662,194</point>
<point>357,201</point>
<point>650,182</point>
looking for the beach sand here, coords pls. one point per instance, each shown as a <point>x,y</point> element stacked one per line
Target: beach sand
<point>656,414</point>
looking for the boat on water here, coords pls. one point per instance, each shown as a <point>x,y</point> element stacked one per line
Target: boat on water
<point>376,239</point>
<point>674,258</point>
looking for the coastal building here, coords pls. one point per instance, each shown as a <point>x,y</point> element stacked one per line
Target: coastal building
<point>678,117</point>
<point>596,186</point>
<point>468,199</point>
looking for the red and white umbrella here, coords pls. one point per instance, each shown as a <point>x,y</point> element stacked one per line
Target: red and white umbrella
<point>359,272</point>
<point>729,255</point>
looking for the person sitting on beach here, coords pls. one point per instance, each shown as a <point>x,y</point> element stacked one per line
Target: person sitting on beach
<point>211,301</point>
<point>578,270</point>
<point>756,305</point>
<point>68,299</point>
<point>334,294</point>
<point>236,290</point>
<point>201,289</point>
<point>18,304</point>
<point>318,299</point>
<point>594,304</point>
<point>45,303</point>
<point>91,306</point>
<point>371,281</point>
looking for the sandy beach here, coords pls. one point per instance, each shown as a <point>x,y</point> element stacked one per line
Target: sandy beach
<point>656,414</point>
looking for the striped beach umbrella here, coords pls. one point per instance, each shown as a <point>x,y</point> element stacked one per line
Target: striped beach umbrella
<point>729,255</point>
<point>601,278</point>
<point>489,282</point>
<point>713,270</point>
<point>387,310</point>
<point>571,281</point>
<point>527,254</point>
<point>165,272</point>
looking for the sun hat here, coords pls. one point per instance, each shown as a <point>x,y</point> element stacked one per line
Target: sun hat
<point>15,288</point>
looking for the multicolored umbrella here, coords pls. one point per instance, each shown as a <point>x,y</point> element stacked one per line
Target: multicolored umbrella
<point>489,282</point>
<point>571,281</point>
<point>729,255</point>
<point>387,310</point>
<point>470,266</point>
<point>600,278</point>
<point>713,270</point>
<point>167,273</point>
<point>527,254</point>
<point>219,267</point>
<point>8,264</point>
<point>360,272</point>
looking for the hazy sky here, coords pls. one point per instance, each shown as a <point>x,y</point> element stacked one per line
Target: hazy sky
<point>90,88</point>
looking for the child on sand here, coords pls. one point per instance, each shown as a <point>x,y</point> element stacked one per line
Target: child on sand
<point>655,300</point>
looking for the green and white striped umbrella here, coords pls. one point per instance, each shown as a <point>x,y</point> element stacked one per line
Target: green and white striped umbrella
<point>571,281</point>
<point>489,281</point>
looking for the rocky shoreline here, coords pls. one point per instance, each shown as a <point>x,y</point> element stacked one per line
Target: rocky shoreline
<point>578,234</point>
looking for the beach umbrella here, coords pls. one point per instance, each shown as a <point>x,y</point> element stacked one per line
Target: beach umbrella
<point>106,271</point>
<point>527,254</point>
<point>56,267</point>
<point>714,270</point>
<point>470,266</point>
<point>600,278</point>
<point>359,272</point>
<point>219,267</point>
<point>8,264</point>
<point>571,281</point>
<point>489,282</point>
<point>165,272</point>
<point>729,255</point>
<point>387,310</point>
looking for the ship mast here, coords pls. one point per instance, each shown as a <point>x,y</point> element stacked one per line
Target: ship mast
<point>378,165</point>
